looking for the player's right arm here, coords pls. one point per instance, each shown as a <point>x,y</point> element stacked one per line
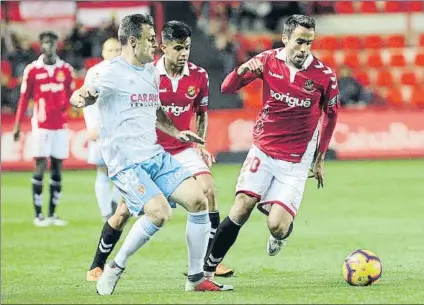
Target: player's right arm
<point>243,75</point>
<point>27,89</point>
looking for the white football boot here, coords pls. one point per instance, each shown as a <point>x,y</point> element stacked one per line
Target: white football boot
<point>56,221</point>
<point>41,221</point>
<point>274,245</point>
<point>107,281</point>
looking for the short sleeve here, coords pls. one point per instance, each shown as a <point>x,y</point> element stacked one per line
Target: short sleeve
<point>102,78</point>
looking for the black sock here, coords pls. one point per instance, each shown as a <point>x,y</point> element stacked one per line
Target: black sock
<point>215,220</point>
<point>225,236</point>
<point>107,242</point>
<point>55,190</point>
<point>37,197</point>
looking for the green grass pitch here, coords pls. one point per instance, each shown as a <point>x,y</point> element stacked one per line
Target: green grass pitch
<point>375,205</point>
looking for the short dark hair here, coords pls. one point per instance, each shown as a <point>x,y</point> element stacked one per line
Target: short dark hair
<point>130,26</point>
<point>50,34</point>
<point>294,21</point>
<point>175,30</point>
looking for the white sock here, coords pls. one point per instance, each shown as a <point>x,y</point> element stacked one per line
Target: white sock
<point>103,193</point>
<point>141,232</point>
<point>197,237</point>
<point>116,194</point>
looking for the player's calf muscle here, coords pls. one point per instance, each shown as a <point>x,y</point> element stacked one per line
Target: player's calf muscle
<point>120,218</point>
<point>208,188</point>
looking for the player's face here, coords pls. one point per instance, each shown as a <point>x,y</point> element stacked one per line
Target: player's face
<point>177,52</point>
<point>145,47</point>
<point>111,49</point>
<point>298,46</point>
<point>49,46</point>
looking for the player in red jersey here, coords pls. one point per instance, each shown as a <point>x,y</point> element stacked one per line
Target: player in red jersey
<point>184,91</point>
<point>49,82</point>
<point>298,91</point>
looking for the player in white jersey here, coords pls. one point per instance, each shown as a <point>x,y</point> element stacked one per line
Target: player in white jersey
<point>107,197</point>
<point>127,92</point>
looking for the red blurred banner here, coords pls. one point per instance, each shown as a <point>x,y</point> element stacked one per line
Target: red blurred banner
<point>17,155</point>
<point>360,134</point>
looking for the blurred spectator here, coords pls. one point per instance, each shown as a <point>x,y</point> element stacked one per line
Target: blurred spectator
<point>227,52</point>
<point>280,11</point>
<point>252,14</point>
<point>321,7</point>
<point>352,93</point>
<point>78,46</point>
<point>21,56</point>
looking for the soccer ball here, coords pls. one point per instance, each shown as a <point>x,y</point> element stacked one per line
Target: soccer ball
<point>362,268</point>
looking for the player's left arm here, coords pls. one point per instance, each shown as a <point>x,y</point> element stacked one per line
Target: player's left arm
<point>201,114</point>
<point>331,104</point>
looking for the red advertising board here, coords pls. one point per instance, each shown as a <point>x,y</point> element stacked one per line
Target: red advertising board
<point>17,155</point>
<point>360,134</point>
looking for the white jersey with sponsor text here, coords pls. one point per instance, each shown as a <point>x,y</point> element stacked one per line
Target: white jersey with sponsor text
<point>128,100</point>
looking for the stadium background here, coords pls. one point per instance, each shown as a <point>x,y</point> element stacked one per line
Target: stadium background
<point>377,49</point>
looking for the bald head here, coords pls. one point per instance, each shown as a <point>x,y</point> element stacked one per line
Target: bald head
<point>111,48</point>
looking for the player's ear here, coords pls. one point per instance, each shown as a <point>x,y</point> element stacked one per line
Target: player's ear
<point>133,42</point>
<point>162,47</point>
<point>284,39</point>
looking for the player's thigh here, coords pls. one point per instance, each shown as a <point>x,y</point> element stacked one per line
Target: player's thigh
<point>136,187</point>
<point>170,175</point>
<point>255,175</point>
<point>42,140</point>
<point>192,161</point>
<point>60,144</point>
<point>190,196</point>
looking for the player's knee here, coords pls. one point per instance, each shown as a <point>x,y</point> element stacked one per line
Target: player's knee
<point>242,207</point>
<point>200,203</point>
<point>159,211</point>
<point>56,169</point>
<point>121,216</point>
<point>280,229</point>
<point>40,168</point>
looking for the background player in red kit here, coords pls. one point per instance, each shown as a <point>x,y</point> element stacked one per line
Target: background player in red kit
<point>183,90</point>
<point>298,89</point>
<point>49,82</point>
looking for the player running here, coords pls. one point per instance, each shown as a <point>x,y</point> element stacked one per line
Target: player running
<point>184,90</point>
<point>127,90</point>
<point>107,197</point>
<point>49,82</point>
<point>297,90</point>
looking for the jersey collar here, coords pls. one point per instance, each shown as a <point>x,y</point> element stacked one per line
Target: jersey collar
<point>162,71</point>
<point>40,62</point>
<point>281,55</point>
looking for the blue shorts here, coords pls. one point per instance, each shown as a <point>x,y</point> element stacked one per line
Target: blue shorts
<point>140,182</point>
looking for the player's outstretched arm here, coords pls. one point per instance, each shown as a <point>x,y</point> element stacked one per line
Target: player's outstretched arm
<point>84,97</point>
<point>242,76</point>
<point>165,124</point>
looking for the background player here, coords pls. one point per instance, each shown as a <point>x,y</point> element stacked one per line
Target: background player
<point>184,90</point>
<point>147,176</point>
<point>297,90</point>
<point>107,197</point>
<point>49,82</point>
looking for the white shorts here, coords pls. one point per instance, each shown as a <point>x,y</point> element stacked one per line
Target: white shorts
<point>50,143</point>
<point>192,161</point>
<point>274,181</point>
<point>95,153</point>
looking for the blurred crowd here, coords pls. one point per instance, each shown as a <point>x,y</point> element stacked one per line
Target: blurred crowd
<point>222,21</point>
